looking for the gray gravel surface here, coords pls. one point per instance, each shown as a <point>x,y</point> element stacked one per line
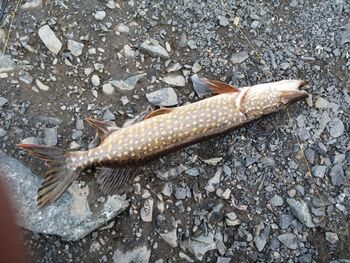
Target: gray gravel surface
<point>230,199</point>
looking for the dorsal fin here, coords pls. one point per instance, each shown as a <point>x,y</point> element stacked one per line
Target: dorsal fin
<point>205,86</point>
<point>157,112</point>
<point>219,87</point>
<point>104,128</point>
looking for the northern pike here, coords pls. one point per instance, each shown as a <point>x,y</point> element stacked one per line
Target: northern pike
<point>123,150</point>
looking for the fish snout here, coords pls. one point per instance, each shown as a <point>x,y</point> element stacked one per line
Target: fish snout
<point>294,93</point>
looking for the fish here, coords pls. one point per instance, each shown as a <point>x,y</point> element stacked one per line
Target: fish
<point>123,151</point>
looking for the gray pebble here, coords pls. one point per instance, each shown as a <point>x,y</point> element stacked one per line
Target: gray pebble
<point>180,193</point>
<point>50,136</point>
<point>30,140</point>
<point>293,3</point>
<point>164,97</point>
<point>276,200</point>
<point>3,101</point>
<point>223,21</point>
<point>310,155</point>
<point>239,57</point>
<point>192,172</point>
<point>301,211</point>
<point>337,174</point>
<point>100,15</point>
<point>175,80</point>
<point>289,240</point>
<point>319,171</point>
<point>2,132</point>
<point>286,220</point>
<point>154,49</point>
<point>75,48</point>
<point>337,128</point>
<point>331,237</point>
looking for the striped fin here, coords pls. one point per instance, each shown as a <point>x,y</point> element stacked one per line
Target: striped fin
<point>58,177</point>
<point>157,112</point>
<point>214,86</point>
<point>115,180</point>
<point>104,128</point>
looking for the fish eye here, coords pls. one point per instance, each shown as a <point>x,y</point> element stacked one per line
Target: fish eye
<point>280,105</point>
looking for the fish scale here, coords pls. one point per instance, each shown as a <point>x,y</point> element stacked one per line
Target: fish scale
<point>123,150</point>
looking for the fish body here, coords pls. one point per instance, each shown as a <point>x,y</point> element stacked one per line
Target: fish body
<point>163,131</point>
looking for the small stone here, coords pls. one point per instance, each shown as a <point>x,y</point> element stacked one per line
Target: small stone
<point>111,4</point>
<point>175,80</point>
<point>286,220</point>
<point>167,189</point>
<point>100,15</point>
<point>108,115</point>
<point>337,128</point>
<point>301,211</point>
<point>3,101</point>
<point>164,97</point>
<point>108,89</point>
<point>170,238</point>
<point>191,44</point>
<point>223,21</point>
<point>50,136</point>
<point>173,67</point>
<point>75,48</point>
<point>192,172</point>
<point>123,28</point>
<point>345,35</point>
<point>196,68</point>
<point>223,260</point>
<point>226,194</point>
<point>332,237</point>
<point>154,49</point>
<point>49,39</point>
<point>310,155</point>
<point>321,103</point>
<point>276,200</point>
<point>140,254</point>
<point>214,182</point>
<point>261,240</point>
<point>289,240</point>
<point>128,83</point>
<point>6,64</point>
<point>41,85</point>
<point>293,3</point>
<point>337,175</point>
<point>124,100</point>
<point>239,57</point>
<point>30,5</point>
<point>95,80</point>
<point>147,210</point>
<point>30,140</point>
<point>180,193</point>
<point>2,132</point>
<point>319,170</point>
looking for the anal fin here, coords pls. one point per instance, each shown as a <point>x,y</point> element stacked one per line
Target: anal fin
<point>115,180</point>
<point>104,128</point>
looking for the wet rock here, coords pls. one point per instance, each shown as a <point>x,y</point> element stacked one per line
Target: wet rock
<point>49,39</point>
<point>337,174</point>
<point>301,211</point>
<point>289,240</point>
<point>69,217</point>
<point>164,97</point>
<point>3,101</point>
<point>261,240</point>
<point>337,128</point>
<point>140,254</point>
<point>50,136</point>
<point>170,238</point>
<point>239,57</point>
<point>319,170</point>
<point>147,210</point>
<point>153,48</point>
<point>214,182</point>
<point>200,245</point>
<point>100,15</point>
<point>75,48</point>
<point>175,80</point>
<point>276,200</point>
<point>331,237</point>
<point>128,83</point>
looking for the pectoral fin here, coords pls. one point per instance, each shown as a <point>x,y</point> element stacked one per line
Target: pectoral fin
<point>214,86</point>
<point>104,128</point>
<point>115,180</point>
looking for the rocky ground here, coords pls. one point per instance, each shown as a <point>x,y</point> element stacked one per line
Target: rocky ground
<point>275,191</point>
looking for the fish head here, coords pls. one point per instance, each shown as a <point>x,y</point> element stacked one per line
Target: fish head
<point>267,98</point>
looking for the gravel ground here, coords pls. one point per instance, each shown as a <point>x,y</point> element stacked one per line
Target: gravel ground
<point>250,196</point>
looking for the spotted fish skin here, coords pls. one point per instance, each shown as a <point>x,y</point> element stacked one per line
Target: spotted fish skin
<point>162,132</point>
<point>165,133</point>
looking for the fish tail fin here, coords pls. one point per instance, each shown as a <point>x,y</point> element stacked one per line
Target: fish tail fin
<point>58,177</point>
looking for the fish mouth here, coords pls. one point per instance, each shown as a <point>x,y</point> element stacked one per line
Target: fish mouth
<point>295,93</point>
